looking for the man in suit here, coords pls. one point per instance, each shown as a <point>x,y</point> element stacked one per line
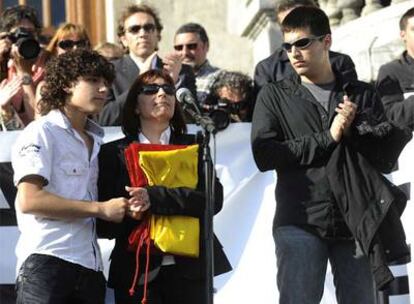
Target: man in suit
<point>139,31</point>
<point>395,82</point>
<point>277,66</point>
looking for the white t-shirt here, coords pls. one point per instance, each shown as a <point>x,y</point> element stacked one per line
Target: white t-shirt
<point>49,147</point>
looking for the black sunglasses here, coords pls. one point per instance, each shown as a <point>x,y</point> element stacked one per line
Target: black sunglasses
<point>300,44</point>
<point>151,89</point>
<point>190,46</point>
<point>147,27</point>
<point>70,44</point>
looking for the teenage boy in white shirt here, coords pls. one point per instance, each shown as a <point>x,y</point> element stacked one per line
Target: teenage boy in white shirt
<point>55,169</point>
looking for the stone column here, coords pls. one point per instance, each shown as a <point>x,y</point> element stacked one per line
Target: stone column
<point>333,12</point>
<point>350,9</point>
<point>371,6</point>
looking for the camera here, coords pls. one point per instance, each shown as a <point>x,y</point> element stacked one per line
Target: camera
<point>26,43</point>
<point>221,111</point>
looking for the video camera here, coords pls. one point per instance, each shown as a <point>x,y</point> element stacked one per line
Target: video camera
<point>27,45</point>
<point>220,110</point>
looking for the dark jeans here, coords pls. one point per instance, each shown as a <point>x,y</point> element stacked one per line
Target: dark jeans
<point>302,259</point>
<point>45,279</point>
<point>168,287</point>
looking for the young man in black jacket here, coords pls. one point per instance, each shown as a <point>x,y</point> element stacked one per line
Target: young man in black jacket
<point>277,65</point>
<point>298,123</point>
<point>395,81</point>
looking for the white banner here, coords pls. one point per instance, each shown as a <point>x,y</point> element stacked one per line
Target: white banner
<point>244,226</point>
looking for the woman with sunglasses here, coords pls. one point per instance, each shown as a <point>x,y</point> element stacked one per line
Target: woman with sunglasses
<point>152,115</point>
<point>68,36</point>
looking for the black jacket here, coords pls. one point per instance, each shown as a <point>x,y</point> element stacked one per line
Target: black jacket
<point>113,177</point>
<point>395,79</point>
<point>290,133</point>
<point>370,204</point>
<point>277,66</point>
<point>126,71</point>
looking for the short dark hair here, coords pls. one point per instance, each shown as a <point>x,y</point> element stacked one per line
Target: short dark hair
<point>284,5</point>
<point>64,70</point>
<point>138,8</point>
<point>404,19</point>
<point>130,121</point>
<point>193,28</point>
<point>307,17</point>
<point>13,15</point>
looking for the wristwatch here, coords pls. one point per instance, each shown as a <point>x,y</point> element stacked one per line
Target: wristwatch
<point>27,79</point>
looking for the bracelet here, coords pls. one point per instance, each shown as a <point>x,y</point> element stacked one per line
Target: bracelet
<point>27,79</point>
<point>6,115</point>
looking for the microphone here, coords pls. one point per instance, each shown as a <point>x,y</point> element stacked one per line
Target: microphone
<point>186,98</point>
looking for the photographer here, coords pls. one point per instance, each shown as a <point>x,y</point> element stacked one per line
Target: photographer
<point>20,67</point>
<point>231,99</point>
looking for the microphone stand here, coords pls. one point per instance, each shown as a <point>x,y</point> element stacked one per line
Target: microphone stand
<point>208,128</point>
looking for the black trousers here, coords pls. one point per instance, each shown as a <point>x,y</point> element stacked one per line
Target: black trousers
<point>168,287</point>
<point>45,279</point>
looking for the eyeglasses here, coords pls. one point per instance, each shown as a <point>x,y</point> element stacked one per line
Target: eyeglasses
<point>147,27</point>
<point>190,46</point>
<point>151,89</point>
<point>300,44</point>
<point>70,44</point>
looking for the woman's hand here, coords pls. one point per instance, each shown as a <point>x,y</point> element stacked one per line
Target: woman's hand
<point>8,89</point>
<point>138,203</point>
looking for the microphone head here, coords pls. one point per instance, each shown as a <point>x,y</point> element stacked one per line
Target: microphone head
<point>182,94</point>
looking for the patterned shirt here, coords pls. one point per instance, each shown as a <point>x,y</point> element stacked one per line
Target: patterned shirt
<point>205,77</point>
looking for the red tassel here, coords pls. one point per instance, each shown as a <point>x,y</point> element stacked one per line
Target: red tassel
<point>141,236</point>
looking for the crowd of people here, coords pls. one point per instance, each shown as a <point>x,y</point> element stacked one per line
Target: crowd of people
<point>329,137</point>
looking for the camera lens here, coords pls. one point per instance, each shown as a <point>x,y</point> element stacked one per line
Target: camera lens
<point>28,48</point>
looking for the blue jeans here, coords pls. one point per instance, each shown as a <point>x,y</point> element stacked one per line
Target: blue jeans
<point>44,279</point>
<point>302,258</point>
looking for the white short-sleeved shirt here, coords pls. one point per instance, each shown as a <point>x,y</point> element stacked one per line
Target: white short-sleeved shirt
<point>49,147</point>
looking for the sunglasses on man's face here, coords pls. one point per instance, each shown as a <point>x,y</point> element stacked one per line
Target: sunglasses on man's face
<point>190,46</point>
<point>151,89</point>
<point>70,44</point>
<point>301,43</point>
<point>147,27</point>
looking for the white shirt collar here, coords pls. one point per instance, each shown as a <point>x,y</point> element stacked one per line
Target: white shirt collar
<point>140,62</point>
<point>60,119</point>
<point>164,138</point>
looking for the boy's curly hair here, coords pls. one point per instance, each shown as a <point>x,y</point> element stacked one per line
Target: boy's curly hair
<point>63,71</point>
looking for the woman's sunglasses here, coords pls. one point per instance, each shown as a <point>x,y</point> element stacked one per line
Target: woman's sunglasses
<point>300,44</point>
<point>151,89</point>
<point>70,44</point>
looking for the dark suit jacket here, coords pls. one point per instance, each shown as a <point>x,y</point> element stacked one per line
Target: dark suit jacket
<point>277,66</point>
<point>113,177</point>
<point>126,71</point>
<point>394,80</point>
